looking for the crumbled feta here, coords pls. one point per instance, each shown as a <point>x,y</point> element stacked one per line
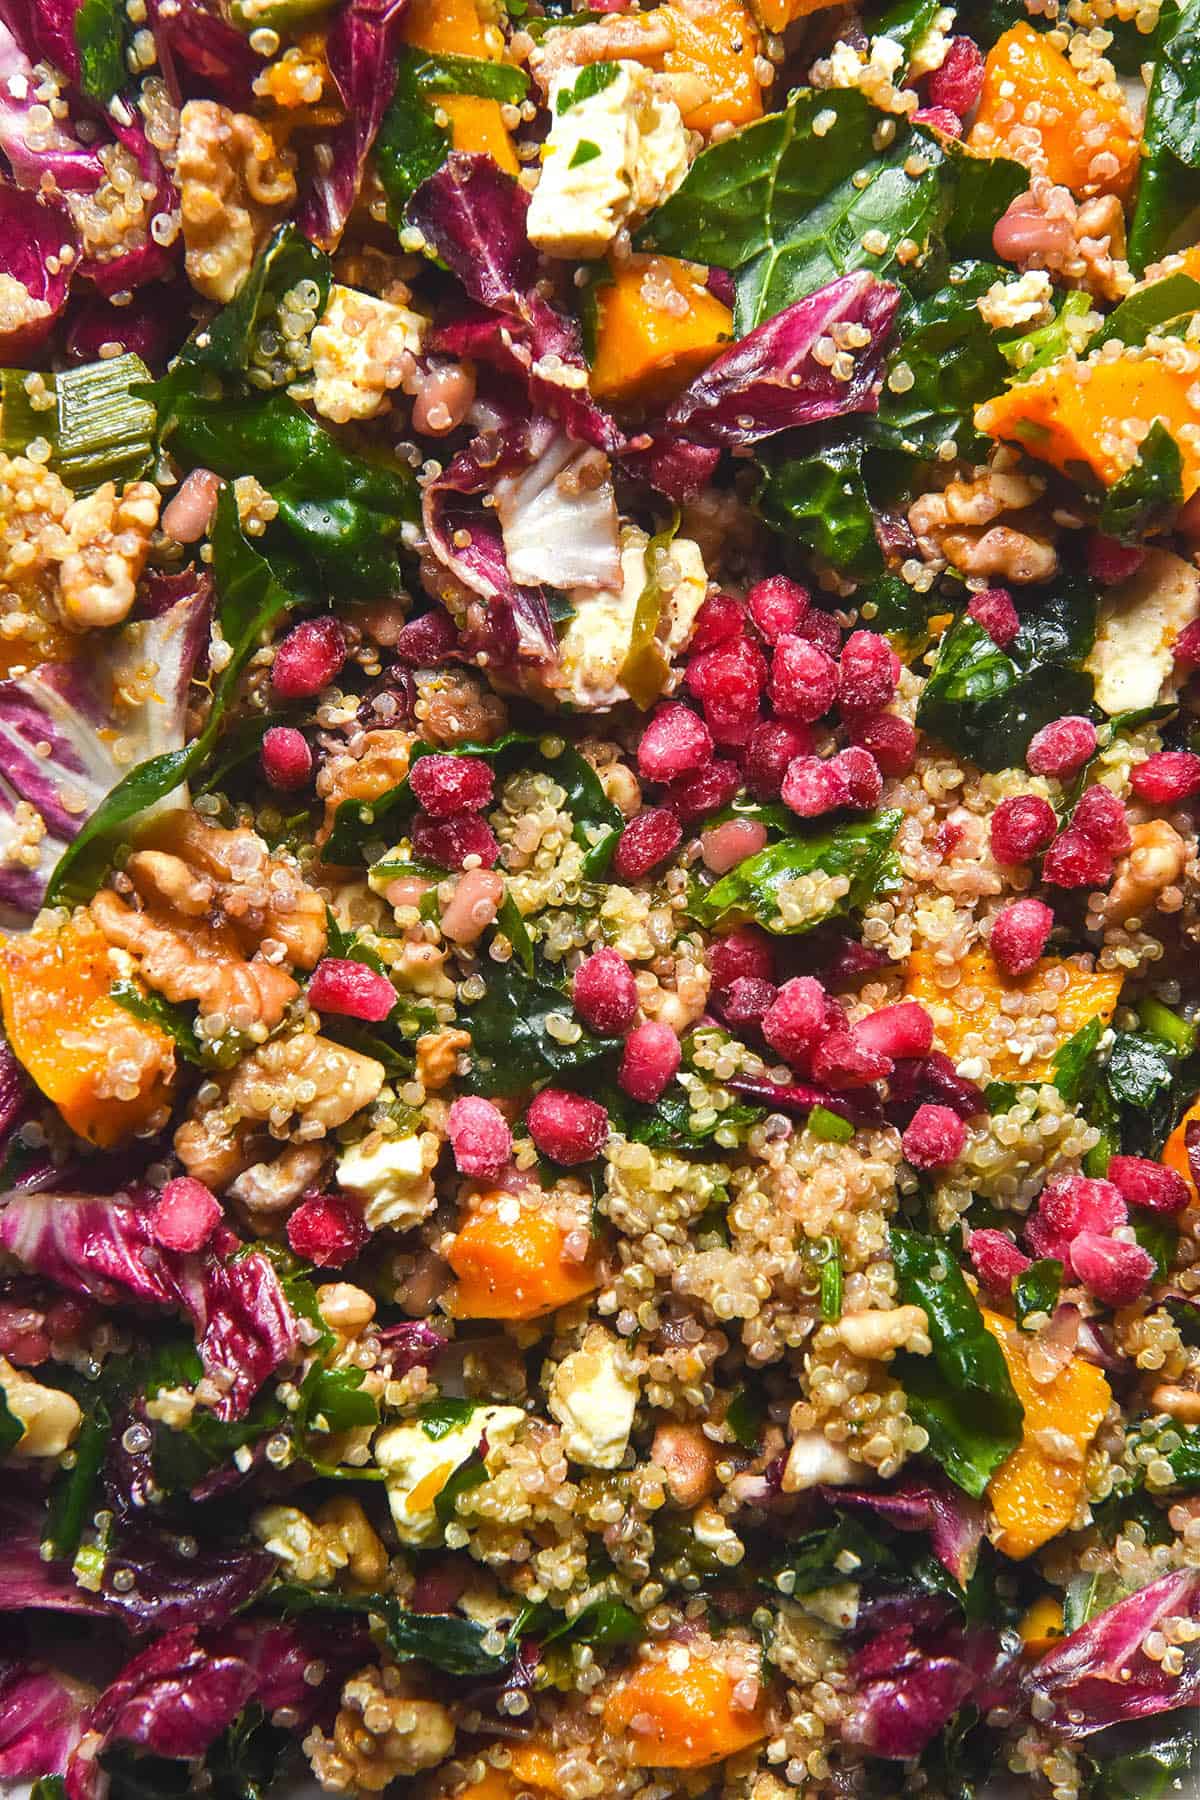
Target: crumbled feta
<point>836,1605</point>
<point>362,348</point>
<point>301,1547</point>
<point>613,154</point>
<point>813,1461</point>
<point>595,643</point>
<point>1028,301</point>
<point>392,1177</point>
<point>418,1466</point>
<point>594,1396</point>
<point>1132,660</point>
<point>930,52</point>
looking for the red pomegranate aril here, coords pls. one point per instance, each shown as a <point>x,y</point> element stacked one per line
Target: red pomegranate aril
<point>940,116</point>
<point>445,785</point>
<point>796,1018</point>
<point>1166,777</point>
<point>650,1062</point>
<point>744,952</point>
<point>425,642</point>
<point>350,989</point>
<point>1109,561</point>
<point>773,745</point>
<point>326,1230</point>
<point>287,761</point>
<point>863,779</point>
<point>933,1138</point>
<point>647,841</point>
<point>900,1031</point>
<point>1021,827</point>
<point>814,785</point>
<point>1075,861</point>
<point>720,618</point>
<point>1187,644</point>
<point>777,606</point>
<point>843,1059</point>
<point>747,1001</point>
<point>1150,1185</point>
<point>821,629</point>
<point>731,677</point>
<point>308,658</point>
<point>1071,1204</point>
<point>730,843</point>
<point>997,1261</point>
<point>891,740</point>
<point>1113,1272</point>
<point>604,993</point>
<point>185,1215</point>
<point>449,842</point>
<point>1061,748</point>
<point>993,611</point>
<point>868,672</point>
<point>675,742</point>
<point>566,1127</point>
<point>1100,816</point>
<point>479,1137</point>
<point>803,681</point>
<point>1019,935</point>
<point>958,84</point>
<point>694,797</point>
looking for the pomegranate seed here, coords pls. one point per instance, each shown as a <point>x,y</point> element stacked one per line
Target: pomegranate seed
<point>796,1018</point>
<point>729,683</point>
<point>1022,826</point>
<point>695,796</point>
<point>813,786</point>
<point>185,1215</point>
<point>958,84</point>
<point>803,682</point>
<point>844,1059</point>
<point>777,606</point>
<point>327,1231</point>
<point>1074,861</point>
<point>1061,748</point>
<point>1100,816</point>
<point>746,951</point>
<point>891,740</point>
<point>941,117</point>
<point>445,785</point>
<point>566,1127</point>
<point>1019,935</point>
<point>308,658</point>
<point>863,779</point>
<point>338,985</point>
<point>1109,561</point>
<point>773,745</point>
<point>821,629</point>
<point>1071,1204</point>
<point>425,642</point>
<point>747,1001</point>
<point>900,1031</point>
<point>479,1137</point>
<point>729,844</point>
<point>997,1261</point>
<point>868,672</point>
<point>1187,644</point>
<point>934,1137</point>
<point>718,620</point>
<point>948,836</point>
<point>994,612</point>
<point>1115,1273</point>
<point>674,743</point>
<point>1150,1185</point>
<point>650,1061</point>
<point>449,842</point>
<point>1165,777</point>
<point>605,993</point>
<point>648,839</point>
<point>287,761</point>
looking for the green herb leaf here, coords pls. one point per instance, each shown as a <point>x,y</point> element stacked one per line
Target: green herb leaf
<point>859,850</point>
<point>744,1416</point>
<point>1159,1238</point>
<point>1035,350</point>
<point>1149,494</point>
<point>510,922</point>
<point>837,1553</point>
<point>438,1418</point>
<point>227,342</point>
<point>814,494</point>
<point>585,152</point>
<point>593,79</point>
<point>179,1022</point>
<point>512,1048</point>
<point>603,1623</point>
<point>1074,1069</point>
<point>1153,1769</point>
<point>963,1394</point>
<point>101,35</point>
<point>443,1640</point>
<point>1169,179</point>
<point>829,1125</point>
<point>1149,309</point>
<point>1037,1289</point>
<point>955,362</point>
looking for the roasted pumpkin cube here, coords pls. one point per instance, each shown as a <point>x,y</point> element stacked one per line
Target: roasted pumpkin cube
<point>658,327</point>
<point>975,1009</point>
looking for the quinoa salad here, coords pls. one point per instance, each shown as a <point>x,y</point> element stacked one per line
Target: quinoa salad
<point>600,899</point>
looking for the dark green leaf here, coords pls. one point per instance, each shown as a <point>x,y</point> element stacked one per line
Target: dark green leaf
<point>443,1640</point>
<point>744,1416</point>
<point>963,1394</point>
<point>1148,310</point>
<point>890,605</point>
<point>443,73</point>
<point>179,1022</point>
<point>906,23</point>
<point>837,1553</point>
<point>11,1428</point>
<point>1149,494</point>
<point>438,1418</point>
<point>1037,1289</point>
<point>101,35</point>
<point>511,1047</point>
<point>1164,1765</point>
<point>1169,180</point>
<point>1035,350</point>
<point>982,187</point>
<point>336,1401</point>
<point>829,1125</point>
<point>814,494</point>
<point>667,1125</point>
<point>1074,1067</point>
<point>1140,1069</point>
<point>592,80</point>
<point>859,850</point>
<point>1159,1238</point>
<point>944,342</point>
<point>514,928</point>
<point>470,1473</point>
<point>604,1624</point>
<point>287,258</point>
<point>48,1787</point>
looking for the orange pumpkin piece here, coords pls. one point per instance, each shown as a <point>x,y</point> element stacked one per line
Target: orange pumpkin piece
<point>975,1007</point>
<point>531,1770</point>
<point>453,28</point>
<point>510,1262</point>
<point>679,1713</point>
<point>107,1072</point>
<point>658,327</point>
<point>1069,414</point>
<point>1041,1626</point>
<point>1034,1493</point>
<point>1175,1154</point>
<point>777,15</point>
<point>716,40</point>
<point>1036,109</point>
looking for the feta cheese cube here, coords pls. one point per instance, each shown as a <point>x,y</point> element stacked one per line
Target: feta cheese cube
<point>392,1177</point>
<point>595,643</point>
<point>1133,658</point>
<point>362,348</point>
<point>594,1397</point>
<point>417,1466</point>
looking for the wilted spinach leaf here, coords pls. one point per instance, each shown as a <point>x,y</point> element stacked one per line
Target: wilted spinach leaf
<point>859,850</point>
<point>511,1046</point>
<point>443,1640</point>
<point>1169,180</point>
<point>955,362</point>
<point>226,343</point>
<point>1147,495</point>
<point>813,1559</point>
<point>1149,309</point>
<point>1148,1761</point>
<point>412,145</point>
<point>1037,1289</point>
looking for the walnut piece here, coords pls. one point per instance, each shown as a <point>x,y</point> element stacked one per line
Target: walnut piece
<point>110,541</point>
<point>309,1077</point>
<point>987,527</point>
<point>1156,861</point>
<point>51,1418</point>
<point>383,1730</point>
<point>267,1189</point>
<point>437,1056</point>
<point>315,1550</point>
<point>378,762</point>
<point>233,183</point>
<point>196,962</point>
<point>455,708</point>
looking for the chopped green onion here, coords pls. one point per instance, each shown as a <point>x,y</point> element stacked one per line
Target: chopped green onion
<point>1166,1025</point>
<point>831,1285</point>
<point>830,1125</point>
<point>98,430</point>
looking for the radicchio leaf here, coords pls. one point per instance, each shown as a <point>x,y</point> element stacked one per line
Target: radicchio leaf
<point>76,708</point>
<point>143,327</point>
<point>193,40</point>
<point>359,51</point>
<point>907,1690</point>
<point>41,1719</point>
<point>953,1520</point>
<point>1101,1674</point>
<point>37,251</point>
<point>559,516</point>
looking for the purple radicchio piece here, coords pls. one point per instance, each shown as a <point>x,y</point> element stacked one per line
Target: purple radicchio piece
<point>77,710</point>
<point>953,1520</point>
<point>41,1720</point>
<point>907,1690</point>
<point>359,51</point>
<point>143,328</point>
<point>38,251</point>
<point>774,379</point>
<point>861,1106</point>
<point>195,44</point>
<point>473,215</point>
<point>558,516</point>
<point>413,1344</point>
<point>1101,1674</point>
